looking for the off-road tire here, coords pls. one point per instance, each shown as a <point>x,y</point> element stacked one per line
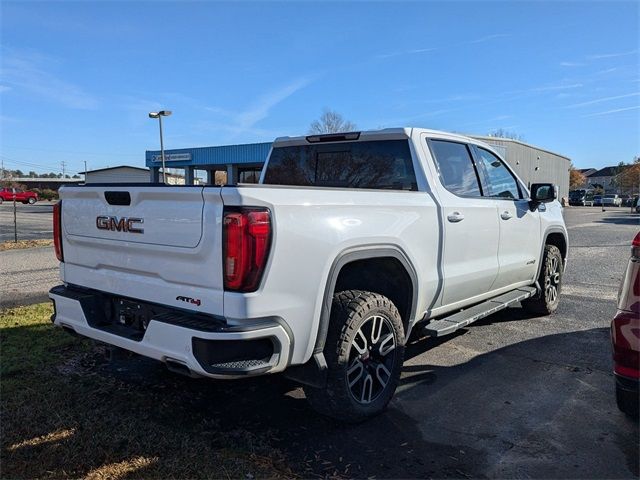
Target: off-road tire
<point>351,310</point>
<point>546,302</point>
<point>627,402</point>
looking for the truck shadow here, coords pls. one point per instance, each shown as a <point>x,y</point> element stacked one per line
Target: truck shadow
<point>520,410</point>
<point>621,219</point>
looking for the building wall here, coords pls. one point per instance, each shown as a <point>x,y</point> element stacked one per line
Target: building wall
<point>533,164</point>
<point>118,175</point>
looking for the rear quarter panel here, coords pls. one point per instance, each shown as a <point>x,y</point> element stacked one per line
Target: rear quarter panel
<point>312,226</point>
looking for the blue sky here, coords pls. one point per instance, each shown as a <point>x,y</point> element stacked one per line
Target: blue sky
<point>78,79</point>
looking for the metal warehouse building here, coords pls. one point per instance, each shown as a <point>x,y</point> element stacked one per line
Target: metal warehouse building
<point>242,163</point>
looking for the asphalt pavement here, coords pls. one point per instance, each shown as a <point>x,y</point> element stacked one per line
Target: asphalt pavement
<point>511,396</point>
<point>34,222</point>
<point>27,275</point>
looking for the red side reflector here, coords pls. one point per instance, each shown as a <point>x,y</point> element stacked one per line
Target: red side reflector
<point>246,240</point>
<point>57,230</point>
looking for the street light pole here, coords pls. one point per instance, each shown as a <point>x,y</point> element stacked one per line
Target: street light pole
<point>159,115</point>
<point>164,178</point>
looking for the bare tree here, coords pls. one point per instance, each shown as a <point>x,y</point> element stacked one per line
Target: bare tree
<point>502,133</point>
<point>331,122</point>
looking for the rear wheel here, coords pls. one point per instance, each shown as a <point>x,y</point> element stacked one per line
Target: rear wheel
<point>364,353</point>
<point>31,200</point>
<point>550,281</point>
<point>1,200</point>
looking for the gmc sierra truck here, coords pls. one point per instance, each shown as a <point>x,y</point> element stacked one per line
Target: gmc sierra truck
<point>349,243</point>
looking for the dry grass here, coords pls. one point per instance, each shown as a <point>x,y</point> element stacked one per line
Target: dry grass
<point>20,244</point>
<point>66,413</point>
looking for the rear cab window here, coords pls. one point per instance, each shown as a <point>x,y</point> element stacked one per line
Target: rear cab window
<point>381,164</point>
<point>455,166</point>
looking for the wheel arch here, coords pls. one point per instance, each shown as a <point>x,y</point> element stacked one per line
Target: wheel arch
<point>554,236</point>
<point>354,259</point>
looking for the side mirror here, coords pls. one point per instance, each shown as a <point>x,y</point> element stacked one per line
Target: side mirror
<point>543,193</point>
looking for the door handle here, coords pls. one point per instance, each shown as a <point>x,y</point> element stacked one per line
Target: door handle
<point>505,215</point>
<point>455,217</point>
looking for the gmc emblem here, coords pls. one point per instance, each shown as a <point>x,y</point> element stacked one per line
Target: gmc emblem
<point>115,224</point>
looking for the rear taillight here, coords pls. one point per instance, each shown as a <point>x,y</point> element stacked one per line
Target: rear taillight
<point>625,336</point>
<point>246,240</point>
<point>57,230</point>
<point>635,246</point>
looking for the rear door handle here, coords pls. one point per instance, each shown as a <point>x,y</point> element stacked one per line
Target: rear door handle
<point>455,217</point>
<point>505,215</point>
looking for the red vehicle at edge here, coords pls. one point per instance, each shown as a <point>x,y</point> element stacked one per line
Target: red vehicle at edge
<point>23,196</point>
<point>625,335</point>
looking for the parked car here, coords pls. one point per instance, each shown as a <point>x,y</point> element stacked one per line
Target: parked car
<point>626,200</point>
<point>597,200</point>
<point>581,197</point>
<point>351,242</point>
<point>625,335</point>
<point>22,196</point>
<point>611,200</point>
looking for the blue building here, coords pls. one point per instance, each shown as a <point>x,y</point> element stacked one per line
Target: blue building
<point>237,163</point>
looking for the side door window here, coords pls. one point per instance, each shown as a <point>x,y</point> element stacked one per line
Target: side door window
<point>500,183</point>
<point>455,165</point>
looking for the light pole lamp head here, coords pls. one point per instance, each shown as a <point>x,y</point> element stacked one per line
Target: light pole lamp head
<point>154,115</point>
<point>164,113</point>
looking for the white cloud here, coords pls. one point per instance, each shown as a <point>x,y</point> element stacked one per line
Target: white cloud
<point>550,88</point>
<point>572,64</point>
<point>245,120</point>
<point>4,88</point>
<point>616,110</point>
<point>605,99</point>
<point>490,37</point>
<point>599,56</point>
<point>29,71</point>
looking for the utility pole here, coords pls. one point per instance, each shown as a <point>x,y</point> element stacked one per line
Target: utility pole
<point>85,171</point>
<point>63,166</point>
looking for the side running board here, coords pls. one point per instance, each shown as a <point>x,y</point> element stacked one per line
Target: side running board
<point>450,324</point>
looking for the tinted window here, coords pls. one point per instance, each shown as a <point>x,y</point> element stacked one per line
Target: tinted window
<point>383,164</point>
<point>500,182</point>
<point>456,167</point>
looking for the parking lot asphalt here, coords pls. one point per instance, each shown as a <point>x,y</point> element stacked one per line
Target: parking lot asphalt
<point>28,275</point>
<point>34,221</point>
<point>511,396</point>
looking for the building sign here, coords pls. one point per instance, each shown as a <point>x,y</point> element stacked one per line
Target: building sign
<point>172,157</point>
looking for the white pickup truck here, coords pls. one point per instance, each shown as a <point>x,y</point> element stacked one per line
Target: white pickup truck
<point>349,243</point>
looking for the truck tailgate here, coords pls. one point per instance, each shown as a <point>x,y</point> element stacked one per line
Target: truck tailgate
<point>161,244</point>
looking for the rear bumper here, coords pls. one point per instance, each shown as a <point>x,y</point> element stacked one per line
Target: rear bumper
<point>194,344</point>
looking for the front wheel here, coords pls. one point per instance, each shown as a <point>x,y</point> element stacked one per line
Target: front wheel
<point>31,200</point>
<point>364,353</point>
<point>550,281</point>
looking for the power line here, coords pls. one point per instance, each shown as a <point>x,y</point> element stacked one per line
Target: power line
<point>73,151</point>
<point>28,164</point>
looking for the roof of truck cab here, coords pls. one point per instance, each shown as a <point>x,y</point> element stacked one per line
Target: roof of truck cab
<point>389,133</point>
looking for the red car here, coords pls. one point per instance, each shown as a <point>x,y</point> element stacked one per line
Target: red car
<point>625,335</point>
<point>23,196</point>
